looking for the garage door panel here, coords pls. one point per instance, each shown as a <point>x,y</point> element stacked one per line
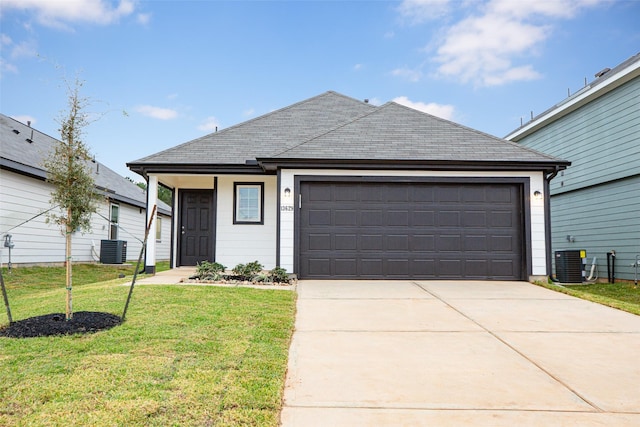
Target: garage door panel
<point>448,194</point>
<point>346,242</point>
<point>449,243</point>
<point>371,242</point>
<point>345,217</point>
<point>319,242</point>
<point>398,242</point>
<point>423,243</point>
<point>449,218</point>
<point>422,218</point>
<point>319,217</point>
<point>319,267</point>
<point>474,219</point>
<point>398,218</point>
<point>371,218</point>
<point>502,244</point>
<point>477,243</point>
<point>398,267</point>
<point>501,219</point>
<point>345,267</point>
<point>410,230</point>
<point>503,268</point>
<point>371,267</point>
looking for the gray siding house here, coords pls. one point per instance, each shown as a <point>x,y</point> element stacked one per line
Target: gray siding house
<point>595,203</point>
<point>25,195</point>
<point>333,187</point>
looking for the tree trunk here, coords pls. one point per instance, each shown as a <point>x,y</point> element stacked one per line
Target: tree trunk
<point>68,266</point>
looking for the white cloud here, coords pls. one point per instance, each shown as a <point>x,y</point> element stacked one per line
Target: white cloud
<point>407,73</point>
<point>5,40</point>
<point>417,11</point>
<point>210,124</point>
<point>143,18</point>
<point>444,111</point>
<point>486,44</point>
<point>248,112</point>
<point>157,112</point>
<point>357,67</point>
<point>6,67</point>
<point>59,13</point>
<point>24,50</point>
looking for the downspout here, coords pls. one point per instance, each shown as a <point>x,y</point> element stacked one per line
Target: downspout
<point>547,214</point>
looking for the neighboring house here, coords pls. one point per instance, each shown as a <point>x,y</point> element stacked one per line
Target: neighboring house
<point>25,196</point>
<point>333,187</point>
<point>595,204</point>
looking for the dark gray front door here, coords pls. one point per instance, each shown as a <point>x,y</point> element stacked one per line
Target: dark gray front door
<point>410,230</point>
<point>197,226</point>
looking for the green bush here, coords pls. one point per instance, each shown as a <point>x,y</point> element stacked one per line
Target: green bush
<point>247,271</point>
<point>279,275</point>
<point>206,270</point>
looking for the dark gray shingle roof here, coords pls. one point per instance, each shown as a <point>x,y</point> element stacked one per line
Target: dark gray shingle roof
<point>268,134</point>
<point>334,127</point>
<point>396,132</point>
<point>19,154</point>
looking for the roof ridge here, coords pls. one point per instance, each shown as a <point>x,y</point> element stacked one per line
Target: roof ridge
<point>375,109</point>
<point>246,122</point>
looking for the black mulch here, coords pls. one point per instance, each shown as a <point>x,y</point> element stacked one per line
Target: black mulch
<point>82,322</point>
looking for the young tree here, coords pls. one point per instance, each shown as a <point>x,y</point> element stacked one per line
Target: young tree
<point>69,172</point>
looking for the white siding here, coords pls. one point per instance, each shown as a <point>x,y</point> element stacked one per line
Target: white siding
<point>536,181</point>
<point>242,243</point>
<point>36,242</point>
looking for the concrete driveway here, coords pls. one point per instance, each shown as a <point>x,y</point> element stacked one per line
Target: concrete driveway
<point>401,353</point>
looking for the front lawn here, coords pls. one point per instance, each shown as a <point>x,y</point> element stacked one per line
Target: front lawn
<point>623,296</point>
<point>186,356</point>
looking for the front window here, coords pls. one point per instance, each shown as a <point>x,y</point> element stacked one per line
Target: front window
<point>248,203</point>
<point>113,226</point>
<point>159,229</point>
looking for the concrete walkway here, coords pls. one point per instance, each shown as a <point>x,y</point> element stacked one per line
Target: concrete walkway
<point>375,353</point>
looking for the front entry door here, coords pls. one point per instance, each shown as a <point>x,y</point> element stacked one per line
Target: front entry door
<point>197,226</point>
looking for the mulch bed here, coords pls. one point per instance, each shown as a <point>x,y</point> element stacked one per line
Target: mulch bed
<point>82,322</point>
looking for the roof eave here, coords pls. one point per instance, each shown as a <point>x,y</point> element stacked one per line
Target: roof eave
<point>144,169</point>
<point>272,165</point>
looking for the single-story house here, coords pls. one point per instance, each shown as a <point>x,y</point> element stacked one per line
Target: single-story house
<point>25,199</point>
<point>333,187</point>
<point>595,203</point>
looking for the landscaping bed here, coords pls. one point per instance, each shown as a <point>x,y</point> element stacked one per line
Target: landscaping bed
<point>82,322</point>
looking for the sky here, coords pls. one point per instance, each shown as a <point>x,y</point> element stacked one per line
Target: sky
<point>160,73</point>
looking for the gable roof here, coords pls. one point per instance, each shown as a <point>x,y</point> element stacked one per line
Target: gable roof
<point>332,129</point>
<point>24,149</point>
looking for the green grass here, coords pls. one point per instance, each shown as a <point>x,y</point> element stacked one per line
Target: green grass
<point>186,356</point>
<point>623,296</point>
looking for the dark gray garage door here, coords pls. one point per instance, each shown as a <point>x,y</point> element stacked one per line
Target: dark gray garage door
<point>410,230</point>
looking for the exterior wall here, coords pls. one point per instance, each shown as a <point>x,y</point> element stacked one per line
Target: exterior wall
<point>242,243</point>
<point>600,219</point>
<point>288,205</point>
<point>37,242</point>
<point>596,198</point>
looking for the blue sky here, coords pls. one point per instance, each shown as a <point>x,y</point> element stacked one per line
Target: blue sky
<point>160,73</point>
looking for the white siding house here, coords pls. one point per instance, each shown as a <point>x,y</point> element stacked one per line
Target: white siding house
<point>335,188</point>
<point>25,196</point>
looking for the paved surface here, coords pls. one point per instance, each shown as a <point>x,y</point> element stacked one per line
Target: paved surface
<point>459,353</point>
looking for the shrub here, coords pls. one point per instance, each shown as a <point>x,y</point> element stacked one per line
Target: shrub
<point>279,275</point>
<point>247,271</point>
<point>206,270</point>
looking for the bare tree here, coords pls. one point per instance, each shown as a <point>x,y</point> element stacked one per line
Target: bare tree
<point>69,172</point>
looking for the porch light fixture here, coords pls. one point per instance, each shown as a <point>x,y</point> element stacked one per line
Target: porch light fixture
<point>287,192</point>
<point>537,195</point>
